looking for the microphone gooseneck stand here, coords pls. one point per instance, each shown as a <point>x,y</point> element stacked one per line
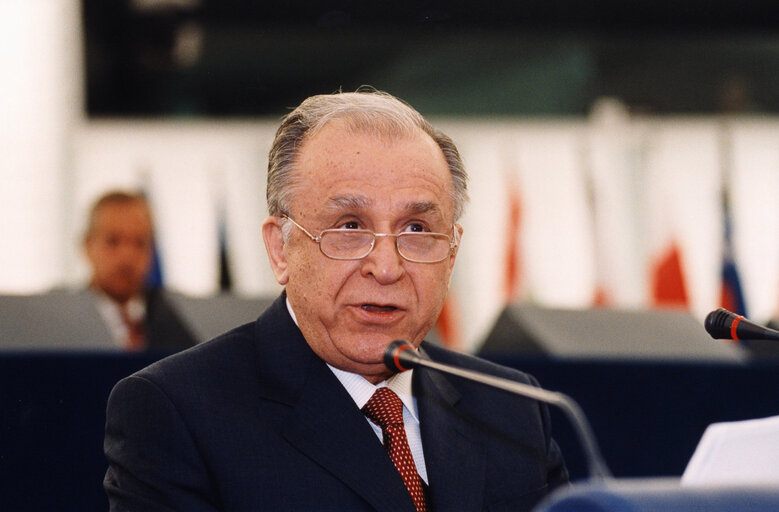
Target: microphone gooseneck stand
<point>400,356</point>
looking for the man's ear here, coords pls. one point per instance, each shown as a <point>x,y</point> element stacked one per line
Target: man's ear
<point>274,245</point>
<point>459,236</point>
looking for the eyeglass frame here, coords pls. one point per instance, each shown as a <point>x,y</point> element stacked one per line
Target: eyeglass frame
<point>453,241</point>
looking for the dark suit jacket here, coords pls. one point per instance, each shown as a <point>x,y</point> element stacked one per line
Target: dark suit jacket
<point>165,330</point>
<point>254,420</point>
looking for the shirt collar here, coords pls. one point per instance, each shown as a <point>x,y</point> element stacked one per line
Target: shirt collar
<point>135,306</point>
<point>361,390</point>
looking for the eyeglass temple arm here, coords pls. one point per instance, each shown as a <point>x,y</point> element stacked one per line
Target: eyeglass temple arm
<point>316,239</point>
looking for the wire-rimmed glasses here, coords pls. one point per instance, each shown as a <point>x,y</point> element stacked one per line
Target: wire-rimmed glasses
<point>355,244</point>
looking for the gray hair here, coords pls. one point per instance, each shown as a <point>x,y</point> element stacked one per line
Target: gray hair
<point>364,111</point>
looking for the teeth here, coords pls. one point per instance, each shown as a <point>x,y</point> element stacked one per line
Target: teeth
<point>378,309</point>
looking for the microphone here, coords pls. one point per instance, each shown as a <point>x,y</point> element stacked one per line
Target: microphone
<point>400,356</point>
<point>722,324</point>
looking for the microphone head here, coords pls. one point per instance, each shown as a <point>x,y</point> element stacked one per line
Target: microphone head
<point>397,356</point>
<point>724,325</point>
<point>718,323</point>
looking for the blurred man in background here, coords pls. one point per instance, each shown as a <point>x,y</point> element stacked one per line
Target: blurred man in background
<point>119,244</point>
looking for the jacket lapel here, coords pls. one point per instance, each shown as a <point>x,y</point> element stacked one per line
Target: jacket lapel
<point>327,426</point>
<point>325,423</point>
<point>454,457</point>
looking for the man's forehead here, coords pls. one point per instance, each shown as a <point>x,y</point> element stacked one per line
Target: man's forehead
<point>364,172</point>
<point>123,208</point>
<point>115,215</point>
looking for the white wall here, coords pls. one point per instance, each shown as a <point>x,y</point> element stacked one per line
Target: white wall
<point>41,100</point>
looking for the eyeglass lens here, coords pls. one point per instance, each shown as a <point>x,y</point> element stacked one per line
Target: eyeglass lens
<point>424,247</point>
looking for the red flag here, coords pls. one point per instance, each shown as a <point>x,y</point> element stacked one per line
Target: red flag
<point>512,269</point>
<point>668,287</point>
<point>602,297</point>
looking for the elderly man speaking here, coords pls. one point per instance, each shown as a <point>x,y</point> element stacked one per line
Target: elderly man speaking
<point>297,411</point>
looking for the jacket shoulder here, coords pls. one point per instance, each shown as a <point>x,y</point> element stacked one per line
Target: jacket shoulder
<point>224,360</point>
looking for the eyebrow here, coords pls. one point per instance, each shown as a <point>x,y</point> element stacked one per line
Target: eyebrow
<point>352,202</point>
<point>419,207</point>
<point>348,203</point>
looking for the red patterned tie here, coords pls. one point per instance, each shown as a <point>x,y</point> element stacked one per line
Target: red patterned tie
<point>386,410</point>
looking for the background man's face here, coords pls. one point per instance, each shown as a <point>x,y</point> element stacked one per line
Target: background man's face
<point>119,249</point>
<point>349,311</point>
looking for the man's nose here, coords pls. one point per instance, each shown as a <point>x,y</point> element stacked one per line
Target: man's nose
<point>129,251</point>
<point>384,262</point>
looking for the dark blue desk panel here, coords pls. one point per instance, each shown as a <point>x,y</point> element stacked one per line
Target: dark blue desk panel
<point>648,417</point>
<point>52,409</point>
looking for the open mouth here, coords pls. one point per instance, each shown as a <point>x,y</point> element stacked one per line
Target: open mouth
<point>375,308</point>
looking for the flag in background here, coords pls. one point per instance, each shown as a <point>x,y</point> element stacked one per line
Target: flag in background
<point>601,296</point>
<point>154,278</point>
<point>225,276</point>
<point>753,188</point>
<point>731,295</point>
<point>513,262</point>
<point>668,286</point>
<point>682,187</point>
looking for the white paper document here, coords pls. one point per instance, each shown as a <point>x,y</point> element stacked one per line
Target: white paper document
<point>736,453</point>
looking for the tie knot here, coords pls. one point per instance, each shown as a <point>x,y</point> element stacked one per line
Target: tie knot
<point>384,408</point>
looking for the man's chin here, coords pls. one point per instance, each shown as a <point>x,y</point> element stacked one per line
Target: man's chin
<point>373,372</point>
<point>362,354</point>
<point>122,294</point>
<point>369,360</point>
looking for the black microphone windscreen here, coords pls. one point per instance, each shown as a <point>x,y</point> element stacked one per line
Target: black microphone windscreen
<point>718,323</point>
<point>393,356</point>
<point>722,324</point>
